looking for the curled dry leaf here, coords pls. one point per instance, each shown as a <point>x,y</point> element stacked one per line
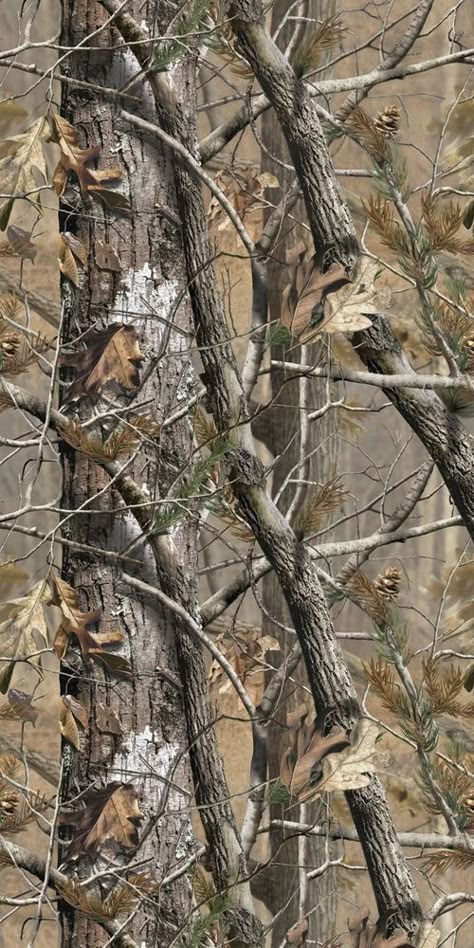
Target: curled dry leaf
<point>76,622</point>
<point>307,290</point>
<point>109,819</point>
<point>67,263</point>
<point>68,726</point>
<point>74,158</point>
<point>111,355</point>
<point>348,309</point>
<point>22,164</point>
<point>21,705</point>
<point>301,764</point>
<point>23,630</point>
<point>76,709</point>
<point>18,244</point>
<point>244,189</point>
<point>351,769</point>
<point>245,651</point>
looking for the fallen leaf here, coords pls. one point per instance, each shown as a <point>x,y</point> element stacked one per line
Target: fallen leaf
<point>347,309</point>
<point>20,156</point>
<point>244,189</point>
<point>67,263</point>
<point>108,819</point>
<point>106,257</point>
<point>112,199</point>
<point>76,622</point>
<point>307,289</point>
<point>68,726</point>
<point>351,769</point>
<point>301,765</point>
<point>73,157</point>
<point>111,356</point>
<point>21,705</point>
<point>77,247</point>
<point>23,630</point>
<point>20,244</point>
<point>76,709</point>
<point>107,721</point>
<point>245,651</point>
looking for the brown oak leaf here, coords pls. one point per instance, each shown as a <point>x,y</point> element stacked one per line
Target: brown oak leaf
<point>307,289</point>
<point>76,622</point>
<point>74,158</point>
<point>109,818</point>
<point>111,355</point>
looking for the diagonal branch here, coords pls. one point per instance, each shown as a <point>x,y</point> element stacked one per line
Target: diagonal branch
<point>442,432</point>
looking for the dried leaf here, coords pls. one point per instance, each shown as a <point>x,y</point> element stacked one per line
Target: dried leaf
<point>107,721</point>
<point>23,630</point>
<point>18,244</point>
<point>76,622</point>
<point>67,263</point>
<point>76,246</point>
<point>350,769</point>
<point>21,156</point>
<point>114,200</point>
<point>347,309</point>
<point>21,705</point>
<point>68,726</point>
<point>106,257</point>
<point>76,709</point>
<point>306,290</point>
<point>244,189</point>
<point>245,652</point>
<point>74,158</point>
<point>301,765</point>
<point>108,819</point>
<point>111,356</point>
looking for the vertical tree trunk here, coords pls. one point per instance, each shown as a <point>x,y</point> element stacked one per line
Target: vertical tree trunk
<point>152,752</point>
<point>284,429</point>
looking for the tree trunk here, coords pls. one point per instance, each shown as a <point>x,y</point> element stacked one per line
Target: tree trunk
<point>152,751</point>
<point>284,438</point>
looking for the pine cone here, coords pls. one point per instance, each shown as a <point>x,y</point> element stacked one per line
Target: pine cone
<point>8,803</point>
<point>387,583</point>
<point>388,121</point>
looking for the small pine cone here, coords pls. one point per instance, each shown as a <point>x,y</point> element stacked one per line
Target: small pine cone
<point>9,343</point>
<point>8,803</point>
<point>388,121</point>
<point>387,583</point>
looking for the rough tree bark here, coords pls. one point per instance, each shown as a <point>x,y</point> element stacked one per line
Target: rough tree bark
<point>168,709</point>
<point>150,705</point>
